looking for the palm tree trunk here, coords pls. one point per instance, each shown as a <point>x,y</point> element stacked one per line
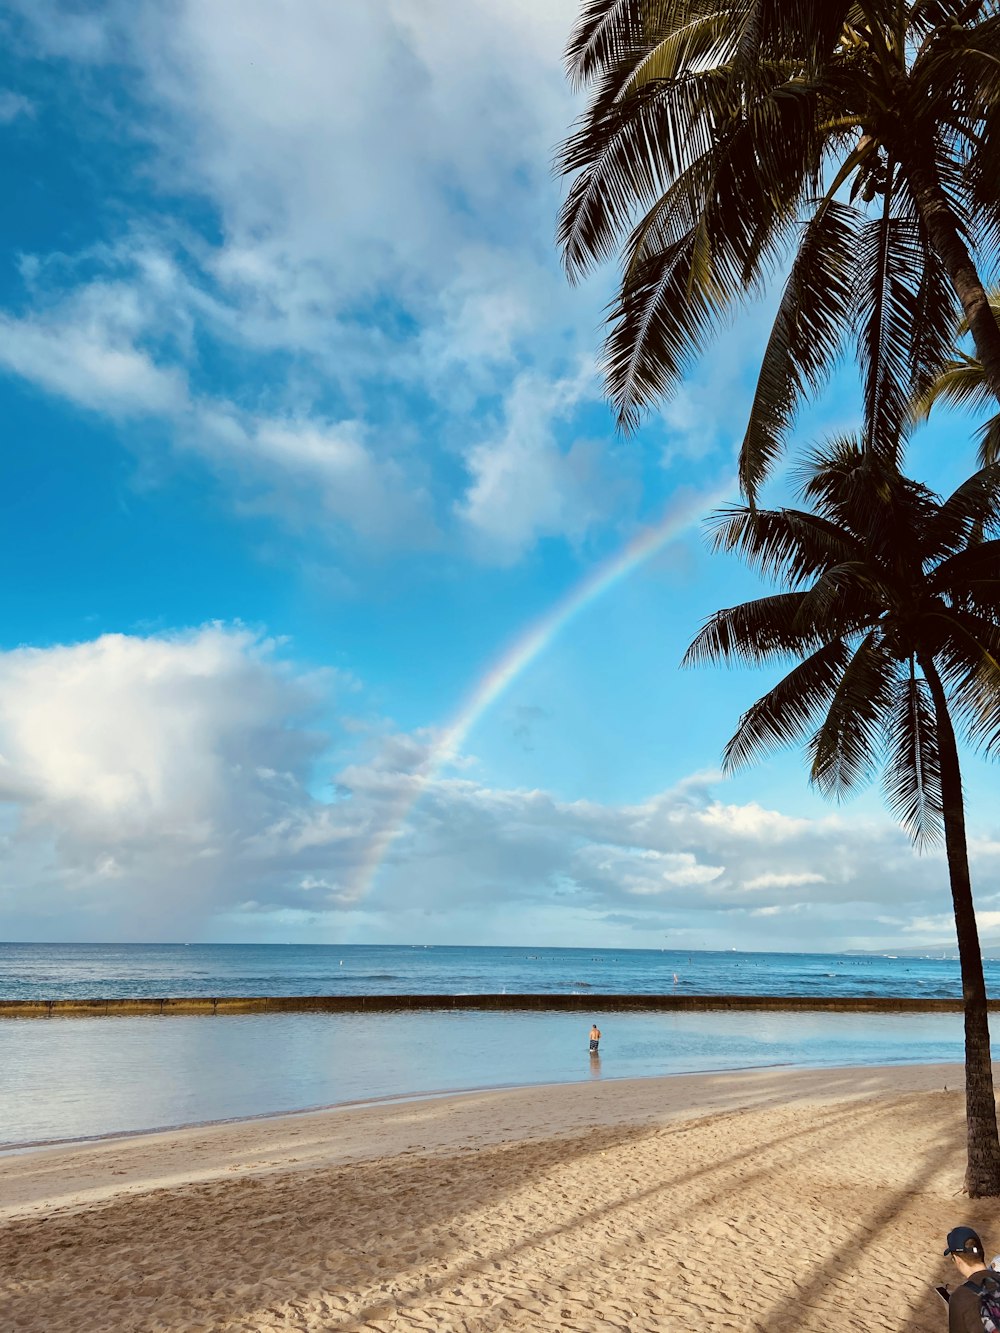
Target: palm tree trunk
<point>938,217</point>
<point>982,1176</point>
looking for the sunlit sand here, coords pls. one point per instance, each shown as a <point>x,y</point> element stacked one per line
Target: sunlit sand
<point>818,1198</point>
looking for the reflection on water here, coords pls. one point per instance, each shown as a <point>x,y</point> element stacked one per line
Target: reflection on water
<point>73,1077</point>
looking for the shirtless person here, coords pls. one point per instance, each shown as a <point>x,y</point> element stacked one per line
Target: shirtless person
<point>595,1037</point>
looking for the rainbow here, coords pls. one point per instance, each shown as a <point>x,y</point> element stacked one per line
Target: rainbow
<point>679,516</point>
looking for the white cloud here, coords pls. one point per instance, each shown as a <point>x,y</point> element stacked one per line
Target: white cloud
<point>310,464</point>
<point>754,823</point>
<point>138,767</point>
<point>88,351</point>
<point>114,347</point>
<point>14,106</point>
<point>525,484</point>
<point>770,880</point>
<point>387,133</point>
<point>382,207</point>
<point>159,786</point>
<point>358,152</point>
<point>642,872</point>
<point>940,926</point>
<point>127,731</point>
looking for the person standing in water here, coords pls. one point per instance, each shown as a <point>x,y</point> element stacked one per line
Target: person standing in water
<point>595,1037</point>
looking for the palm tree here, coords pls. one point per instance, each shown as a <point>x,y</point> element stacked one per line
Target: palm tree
<point>862,139</point>
<point>891,603</point>
<point>962,382</point>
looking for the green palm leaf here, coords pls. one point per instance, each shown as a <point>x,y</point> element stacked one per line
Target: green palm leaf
<point>844,597</point>
<point>786,714</point>
<point>754,632</point>
<point>789,544</point>
<point>912,778</point>
<point>606,31</point>
<point>846,747</point>
<point>969,514</point>
<point>906,317</point>
<point>969,658</point>
<point>688,259</point>
<point>624,158</point>
<point>712,133</point>
<point>961,383</point>
<point>806,337</point>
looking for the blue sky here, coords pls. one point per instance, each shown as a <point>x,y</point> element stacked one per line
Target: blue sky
<point>303,432</point>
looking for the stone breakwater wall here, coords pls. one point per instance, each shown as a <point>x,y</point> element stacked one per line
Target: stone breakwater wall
<point>589,1003</point>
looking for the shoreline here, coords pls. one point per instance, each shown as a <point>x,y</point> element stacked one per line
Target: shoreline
<point>361,1103</point>
<point>575,1002</point>
<point>566,1206</point>
<point>612,1102</point>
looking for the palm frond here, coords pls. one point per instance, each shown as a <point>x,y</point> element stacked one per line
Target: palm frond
<point>927,16</point>
<point>988,435</point>
<point>958,68</point>
<point>968,658</point>
<point>905,312</point>
<point>713,128</point>
<point>850,486</point>
<point>866,495</point>
<point>980,175</point>
<point>969,514</point>
<point>808,29</point>
<point>606,31</point>
<point>953,576</point>
<point>659,321</point>
<point>684,268</point>
<point>935,310</point>
<point>754,632</point>
<point>627,151</point>
<point>790,544</point>
<point>846,747</point>
<point>806,337</point>
<point>705,38</point>
<point>787,712</point>
<point>961,383</point>
<point>912,777</point>
<point>846,596</point>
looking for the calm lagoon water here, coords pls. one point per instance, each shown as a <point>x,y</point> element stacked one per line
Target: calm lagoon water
<point>75,1077</point>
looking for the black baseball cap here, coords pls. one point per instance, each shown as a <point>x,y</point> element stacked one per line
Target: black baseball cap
<point>963,1240</point>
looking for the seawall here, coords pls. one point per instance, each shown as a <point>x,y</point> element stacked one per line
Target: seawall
<point>589,1003</point>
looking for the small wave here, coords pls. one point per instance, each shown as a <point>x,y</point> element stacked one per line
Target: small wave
<point>379,976</point>
<point>585,984</point>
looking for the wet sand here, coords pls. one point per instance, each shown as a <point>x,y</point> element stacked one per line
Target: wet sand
<point>775,1200</point>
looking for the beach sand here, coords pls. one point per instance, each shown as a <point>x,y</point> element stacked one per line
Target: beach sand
<point>774,1200</point>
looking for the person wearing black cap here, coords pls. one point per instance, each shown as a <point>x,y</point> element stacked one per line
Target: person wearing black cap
<point>965,1306</point>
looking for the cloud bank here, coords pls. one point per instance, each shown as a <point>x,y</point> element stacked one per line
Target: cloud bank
<point>200,785</point>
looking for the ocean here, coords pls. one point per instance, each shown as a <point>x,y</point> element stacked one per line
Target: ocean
<point>55,971</point>
<point>76,1077</point>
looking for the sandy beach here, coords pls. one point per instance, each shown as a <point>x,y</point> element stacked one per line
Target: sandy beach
<point>773,1200</point>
